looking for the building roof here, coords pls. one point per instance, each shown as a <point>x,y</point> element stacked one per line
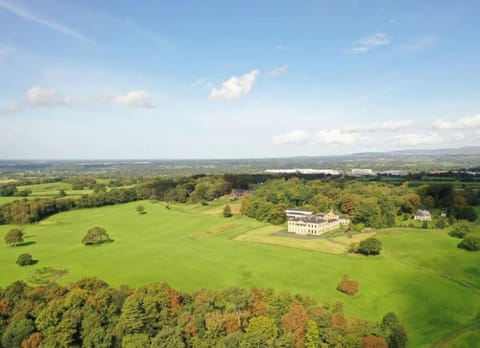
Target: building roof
<point>421,212</point>
<point>298,210</point>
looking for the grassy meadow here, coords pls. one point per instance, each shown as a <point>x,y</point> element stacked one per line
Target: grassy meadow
<point>422,276</point>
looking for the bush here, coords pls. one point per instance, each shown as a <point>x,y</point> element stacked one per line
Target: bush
<point>347,286</point>
<point>440,223</point>
<point>471,242</point>
<point>461,229</point>
<point>374,342</point>
<point>425,225</point>
<point>227,211</point>
<point>370,246</point>
<point>24,259</point>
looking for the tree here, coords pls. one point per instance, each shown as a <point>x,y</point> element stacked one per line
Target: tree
<point>394,331</point>
<point>410,202</point>
<point>227,211</point>
<point>62,193</point>
<point>24,259</point>
<point>370,246</point>
<point>261,332</point>
<point>348,286</point>
<point>374,342</point>
<point>471,242</point>
<point>312,339</point>
<point>14,237</point>
<point>96,235</point>
<point>16,332</point>
<point>140,209</point>
<point>440,223</point>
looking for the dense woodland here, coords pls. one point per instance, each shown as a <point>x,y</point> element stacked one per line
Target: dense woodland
<point>89,313</point>
<point>372,204</point>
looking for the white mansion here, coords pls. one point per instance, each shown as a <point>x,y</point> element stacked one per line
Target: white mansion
<point>305,222</point>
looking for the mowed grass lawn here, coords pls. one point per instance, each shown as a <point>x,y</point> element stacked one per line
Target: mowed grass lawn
<point>421,276</point>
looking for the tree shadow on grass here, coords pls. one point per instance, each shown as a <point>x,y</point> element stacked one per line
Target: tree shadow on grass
<point>24,244</point>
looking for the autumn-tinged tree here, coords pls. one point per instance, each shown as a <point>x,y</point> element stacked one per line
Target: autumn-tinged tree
<point>348,286</point>
<point>33,341</point>
<point>374,342</point>
<point>294,322</point>
<point>14,237</point>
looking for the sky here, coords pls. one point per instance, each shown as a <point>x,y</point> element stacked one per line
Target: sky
<point>236,79</point>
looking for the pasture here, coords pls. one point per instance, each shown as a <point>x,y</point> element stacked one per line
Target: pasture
<point>422,276</point>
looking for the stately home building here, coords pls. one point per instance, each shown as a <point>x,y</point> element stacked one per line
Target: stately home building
<point>423,215</point>
<point>305,222</point>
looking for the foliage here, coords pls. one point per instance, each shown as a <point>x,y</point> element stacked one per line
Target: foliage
<point>394,331</point>
<point>14,237</point>
<point>89,313</point>
<point>16,332</point>
<point>372,204</point>
<point>470,242</point>
<point>227,211</point>
<point>96,235</point>
<point>348,286</point>
<point>24,259</point>
<point>461,229</point>
<point>140,209</point>
<point>369,246</point>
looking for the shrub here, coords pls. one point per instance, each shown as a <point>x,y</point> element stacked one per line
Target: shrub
<point>471,242</point>
<point>140,209</point>
<point>440,223</point>
<point>227,211</point>
<point>370,246</point>
<point>461,229</point>
<point>348,286</point>
<point>425,225</point>
<point>24,259</point>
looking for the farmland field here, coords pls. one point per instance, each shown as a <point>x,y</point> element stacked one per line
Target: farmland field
<point>422,276</point>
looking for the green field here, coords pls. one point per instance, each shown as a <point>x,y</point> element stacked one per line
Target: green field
<point>422,276</point>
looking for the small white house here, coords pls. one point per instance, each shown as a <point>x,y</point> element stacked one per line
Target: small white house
<point>423,215</point>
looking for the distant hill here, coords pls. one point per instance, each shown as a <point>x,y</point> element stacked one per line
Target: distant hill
<point>468,150</point>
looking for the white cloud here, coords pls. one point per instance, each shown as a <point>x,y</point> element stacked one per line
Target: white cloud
<point>282,47</point>
<point>387,125</point>
<point>49,97</point>
<point>422,43</point>
<point>415,139</point>
<point>138,99</point>
<point>279,71</point>
<point>235,87</point>
<point>472,122</point>
<point>30,16</point>
<point>296,137</point>
<point>38,96</point>
<point>336,137</point>
<point>367,43</point>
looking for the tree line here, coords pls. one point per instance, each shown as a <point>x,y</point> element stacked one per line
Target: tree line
<point>89,313</point>
<point>189,189</point>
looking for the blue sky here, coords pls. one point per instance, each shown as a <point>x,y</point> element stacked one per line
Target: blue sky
<point>236,79</point>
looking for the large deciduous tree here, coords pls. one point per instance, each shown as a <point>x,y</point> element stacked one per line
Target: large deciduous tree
<point>14,237</point>
<point>96,235</point>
